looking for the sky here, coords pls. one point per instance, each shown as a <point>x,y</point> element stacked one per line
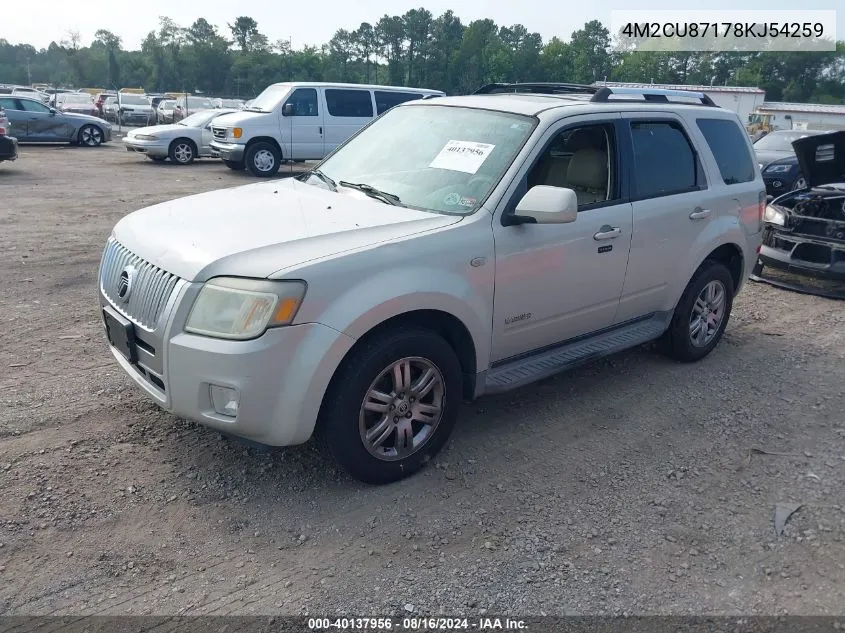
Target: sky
<point>314,23</point>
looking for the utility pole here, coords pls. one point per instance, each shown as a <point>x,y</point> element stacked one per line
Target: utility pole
<point>28,73</point>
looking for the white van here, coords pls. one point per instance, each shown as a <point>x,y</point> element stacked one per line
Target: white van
<point>302,121</point>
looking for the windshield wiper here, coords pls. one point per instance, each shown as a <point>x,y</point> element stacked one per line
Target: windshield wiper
<point>316,172</point>
<point>389,198</point>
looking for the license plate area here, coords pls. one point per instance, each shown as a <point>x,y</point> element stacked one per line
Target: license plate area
<point>121,335</point>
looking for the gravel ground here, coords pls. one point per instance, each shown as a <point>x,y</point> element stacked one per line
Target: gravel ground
<point>634,485</point>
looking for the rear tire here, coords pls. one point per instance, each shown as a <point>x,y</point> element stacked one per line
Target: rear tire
<point>263,159</point>
<point>237,165</point>
<point>381,430</point>
<point>701,315</point>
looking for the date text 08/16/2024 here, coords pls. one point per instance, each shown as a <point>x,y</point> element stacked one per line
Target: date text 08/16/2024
<point>416,624</point>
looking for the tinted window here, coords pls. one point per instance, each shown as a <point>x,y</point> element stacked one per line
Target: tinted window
<point>304,101</point>
<point>664,161</point>
<point>33,106</point>
<point>727,142</point>
<point>349,103</point>
<point>581,159</point>
<point>386,100</point>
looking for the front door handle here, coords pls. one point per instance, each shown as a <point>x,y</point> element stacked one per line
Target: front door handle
<point>608,233</point>
<point>321,131</point>
<point>699,214</point>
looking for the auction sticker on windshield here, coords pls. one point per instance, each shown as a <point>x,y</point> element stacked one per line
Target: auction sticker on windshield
<point>466,156</point>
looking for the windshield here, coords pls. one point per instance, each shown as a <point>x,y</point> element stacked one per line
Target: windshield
<point>442,159</point>
<point>134,100</point>
<point>199,119</point>
<point>200,103</point>
<point>779,141</point>
<point>167,105</point>
<point>270,98</point>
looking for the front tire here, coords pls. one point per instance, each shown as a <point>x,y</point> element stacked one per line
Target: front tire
<point>236,165</point>
<point>392,405</point>
<point>182,151</point>
<point>701,315</point>
<point>90,136</point>
<point>263,159</point>
<point>800,183</point>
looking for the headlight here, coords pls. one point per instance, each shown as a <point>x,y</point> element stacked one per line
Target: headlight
<point>774,216</point>
<point>236,308</point>
<point>237,132</point>
<point>778,169</point>
<point>146,137</point>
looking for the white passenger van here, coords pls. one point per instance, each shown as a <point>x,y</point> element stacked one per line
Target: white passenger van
<point>302,121</point>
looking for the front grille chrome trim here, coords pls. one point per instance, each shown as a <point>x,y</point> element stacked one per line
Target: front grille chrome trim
<point>151,290</point>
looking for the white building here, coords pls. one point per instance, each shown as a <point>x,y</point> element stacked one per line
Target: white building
<point>741,99</point>
<point>804,116</point>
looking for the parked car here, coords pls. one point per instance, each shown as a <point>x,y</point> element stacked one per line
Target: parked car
<point>78,102</point>
<point>100,101</point>
<point>24,91</point>
<point>805,228</point>
<point>35,122</point>
<point>164,111</point>
<point>318,117</point>
<point>8,143</point>
<point>181,142</point>
<point>110,107</point>
<point>452,248</point>
<point>778,162</point>
<point>188,105</point>
<point>134,109</point>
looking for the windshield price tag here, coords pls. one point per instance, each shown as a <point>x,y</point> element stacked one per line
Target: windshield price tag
<point>465,156</point>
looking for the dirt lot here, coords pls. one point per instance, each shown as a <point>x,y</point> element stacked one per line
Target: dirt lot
<point>630,486</point>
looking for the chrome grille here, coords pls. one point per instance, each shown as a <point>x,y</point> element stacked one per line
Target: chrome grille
<point>150,290</point>
<point>219,133</point>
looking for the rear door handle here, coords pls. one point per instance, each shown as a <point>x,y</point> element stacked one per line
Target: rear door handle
<point>699,214</point>
<point>608,233</point>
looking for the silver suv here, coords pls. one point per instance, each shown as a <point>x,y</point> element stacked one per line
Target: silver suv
<point>450,249</point>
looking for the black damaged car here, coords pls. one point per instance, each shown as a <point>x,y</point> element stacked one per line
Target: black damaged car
<point>804,230</point>
<point>776,156</point>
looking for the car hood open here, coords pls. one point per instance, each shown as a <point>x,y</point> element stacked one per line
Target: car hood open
<point>259,229</point>
<point>821,158</point>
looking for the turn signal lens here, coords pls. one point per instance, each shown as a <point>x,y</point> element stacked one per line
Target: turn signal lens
<point>237,132</point>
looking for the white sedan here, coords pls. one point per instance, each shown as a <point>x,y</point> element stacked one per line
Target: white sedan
<point>181,142</point>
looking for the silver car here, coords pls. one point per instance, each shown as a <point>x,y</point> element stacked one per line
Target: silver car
<point>452,248</point>
<point>134,109</point>
<point>35,122</point>
<point>181,142</point>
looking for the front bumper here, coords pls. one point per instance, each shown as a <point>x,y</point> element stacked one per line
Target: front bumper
<point>821,259</point>
<point>280,378</point>
<point>228,151</point>
<point>158,148</point>
<point>8,148</point>
<point>141,117</point>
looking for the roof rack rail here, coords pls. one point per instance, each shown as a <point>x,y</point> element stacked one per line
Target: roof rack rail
<point>548,88</point>
<point>660,95</point>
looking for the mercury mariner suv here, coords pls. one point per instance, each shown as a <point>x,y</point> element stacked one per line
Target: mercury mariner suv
<point>452,248</point>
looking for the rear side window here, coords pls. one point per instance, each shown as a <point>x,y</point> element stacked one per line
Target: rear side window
<point>349,103</point>
<point>727,142</point>
<point>386,100</point>
<point>8,104</point>
<point>664,160</point>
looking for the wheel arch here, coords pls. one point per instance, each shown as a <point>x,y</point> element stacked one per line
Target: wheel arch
<point>265,139</point>
<point>732,257</point>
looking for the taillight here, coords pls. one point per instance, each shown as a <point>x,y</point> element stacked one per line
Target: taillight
<point>2,131</point>
<point>761,209</point>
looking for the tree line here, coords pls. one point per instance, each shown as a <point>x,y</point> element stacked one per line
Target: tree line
<point>414,49</point>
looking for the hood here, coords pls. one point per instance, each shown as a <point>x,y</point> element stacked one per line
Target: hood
<point>766,156</point>
<point>822,158</point>
<point>238,118</point>
<point>158,129</point>
<point>79,118</point>
<point>258,229</point>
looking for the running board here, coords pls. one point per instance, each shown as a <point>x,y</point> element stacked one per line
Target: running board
<point>549,362</point>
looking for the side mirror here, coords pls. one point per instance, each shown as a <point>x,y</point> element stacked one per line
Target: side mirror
<point>288,110</point>
<point>545,205</point>
<point>53,112</point>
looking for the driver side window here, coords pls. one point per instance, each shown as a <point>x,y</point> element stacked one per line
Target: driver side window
<point>583,159</point>
<point>304,101</point>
